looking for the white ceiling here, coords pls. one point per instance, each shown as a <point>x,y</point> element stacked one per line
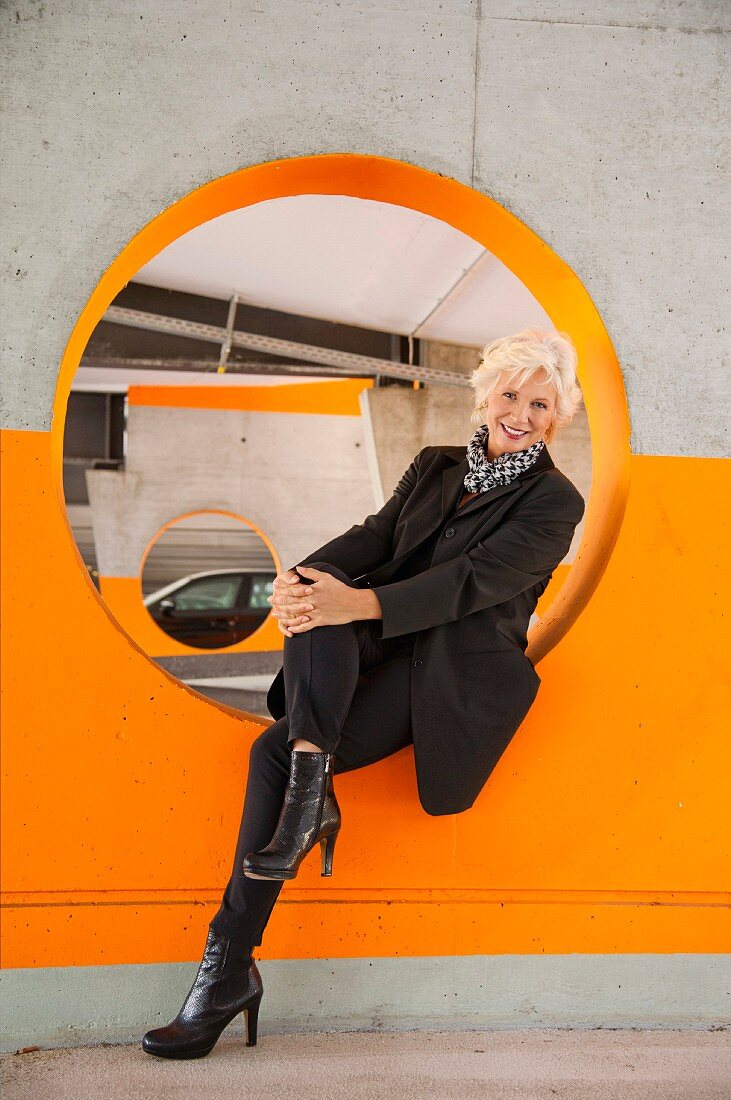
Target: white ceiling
<point>353,261</point>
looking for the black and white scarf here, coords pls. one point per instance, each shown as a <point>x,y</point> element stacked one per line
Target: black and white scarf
<point>487,473</point>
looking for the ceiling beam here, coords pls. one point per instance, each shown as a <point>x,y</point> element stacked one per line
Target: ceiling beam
<point>346,362</point>
<point>206,366</point>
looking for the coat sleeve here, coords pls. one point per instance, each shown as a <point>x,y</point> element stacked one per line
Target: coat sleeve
<point>523,550</point>
<point>369,544</point>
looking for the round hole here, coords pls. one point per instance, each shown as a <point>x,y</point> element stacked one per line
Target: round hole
<point>548,278</point>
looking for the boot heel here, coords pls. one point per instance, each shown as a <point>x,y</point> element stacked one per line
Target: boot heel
<point>327,847</point>
<point>252,1019</point>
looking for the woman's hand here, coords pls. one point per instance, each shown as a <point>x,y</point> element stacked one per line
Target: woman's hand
<point>287,589</point>
<point>326,602</point>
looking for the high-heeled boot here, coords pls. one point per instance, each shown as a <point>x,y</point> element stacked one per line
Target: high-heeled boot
<point>228,982</point>
<point>309,813</point>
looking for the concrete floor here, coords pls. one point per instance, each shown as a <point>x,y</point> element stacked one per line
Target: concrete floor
<point>511,1065</point>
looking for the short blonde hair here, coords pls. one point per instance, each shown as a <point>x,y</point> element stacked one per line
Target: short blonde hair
<point>523,355</point>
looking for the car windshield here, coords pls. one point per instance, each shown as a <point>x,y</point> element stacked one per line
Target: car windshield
<point>208,592</point>
<point>261,587</point>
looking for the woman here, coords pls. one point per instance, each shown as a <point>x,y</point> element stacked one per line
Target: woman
<point>409,628</point>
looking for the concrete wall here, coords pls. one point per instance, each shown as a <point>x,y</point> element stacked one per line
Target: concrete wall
<point>596,123</point>
<point>317,461</point>
<point>441,993</point>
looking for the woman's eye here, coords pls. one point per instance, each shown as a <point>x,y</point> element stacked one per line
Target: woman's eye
<point>539,404</point>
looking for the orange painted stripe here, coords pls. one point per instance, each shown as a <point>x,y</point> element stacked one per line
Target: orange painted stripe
<point>378,928</point>
<point>337,895</point>
<point>337,398</point>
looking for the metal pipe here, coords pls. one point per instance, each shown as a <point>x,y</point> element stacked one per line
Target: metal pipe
<point>346,361</point>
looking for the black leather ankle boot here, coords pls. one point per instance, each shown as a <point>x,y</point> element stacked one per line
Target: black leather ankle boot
<point>228,982</point>
<point>310,812</point>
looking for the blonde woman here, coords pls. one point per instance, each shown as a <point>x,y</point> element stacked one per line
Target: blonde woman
<point>407,630</point>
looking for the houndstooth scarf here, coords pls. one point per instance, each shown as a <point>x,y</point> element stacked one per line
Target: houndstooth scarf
<point>487,473</point>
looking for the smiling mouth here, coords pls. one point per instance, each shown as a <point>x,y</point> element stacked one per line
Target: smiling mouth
<point>512,433</point>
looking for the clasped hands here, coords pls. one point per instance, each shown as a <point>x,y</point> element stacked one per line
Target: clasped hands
<point>327,601</point>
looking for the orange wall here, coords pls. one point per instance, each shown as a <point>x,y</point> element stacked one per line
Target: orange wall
<point>339,397</point>
<point>599,831</point>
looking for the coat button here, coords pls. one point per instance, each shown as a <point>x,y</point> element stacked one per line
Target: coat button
<point>418,663</point>
<point>449,532</point>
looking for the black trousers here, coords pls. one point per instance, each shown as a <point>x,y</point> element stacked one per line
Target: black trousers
<point>348,693</point>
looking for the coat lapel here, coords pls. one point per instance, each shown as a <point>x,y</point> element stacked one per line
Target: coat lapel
<point>453,481</point>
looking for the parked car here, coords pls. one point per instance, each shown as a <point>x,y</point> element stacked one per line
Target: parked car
<point>213,609</point>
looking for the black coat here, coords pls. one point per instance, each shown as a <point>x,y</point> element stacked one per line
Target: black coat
<point>471,682</point>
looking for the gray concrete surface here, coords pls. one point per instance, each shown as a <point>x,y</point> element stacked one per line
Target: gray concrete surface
<point>113,112</point>
<point>203,665</point>
<point>69,1005</point>
<point>247,700</point>
<point>469,1065</point>
<point>229,462</point>
<point>600,124</point>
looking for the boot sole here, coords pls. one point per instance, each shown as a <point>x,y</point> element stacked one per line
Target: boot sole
<point>179,1054</point>
<point>280,877</point>
<point>251,1030</point>
<point>327,846</point>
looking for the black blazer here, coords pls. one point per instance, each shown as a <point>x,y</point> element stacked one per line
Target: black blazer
<point>471,682</point>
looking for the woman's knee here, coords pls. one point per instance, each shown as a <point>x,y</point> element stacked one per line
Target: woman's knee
<point>328,567</point>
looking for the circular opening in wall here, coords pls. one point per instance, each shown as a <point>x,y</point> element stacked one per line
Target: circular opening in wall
<point>206,579</point>
<point>281,342</point>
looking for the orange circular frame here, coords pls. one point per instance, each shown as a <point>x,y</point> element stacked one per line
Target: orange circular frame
<point>550,280</point>
<point>147,630</point>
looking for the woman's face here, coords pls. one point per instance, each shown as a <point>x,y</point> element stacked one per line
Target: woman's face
<point>518,416</point>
